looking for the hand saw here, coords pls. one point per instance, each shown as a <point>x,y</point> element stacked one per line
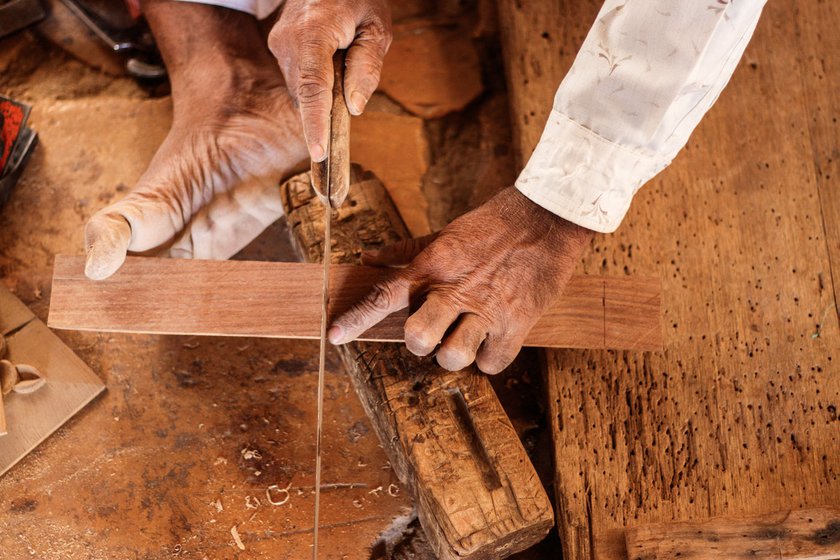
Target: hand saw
<point>331,181</point>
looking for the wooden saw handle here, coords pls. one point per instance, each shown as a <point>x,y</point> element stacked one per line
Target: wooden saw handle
<point>331,177</point>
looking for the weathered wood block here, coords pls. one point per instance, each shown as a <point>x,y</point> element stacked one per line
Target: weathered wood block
<point>446,434</point>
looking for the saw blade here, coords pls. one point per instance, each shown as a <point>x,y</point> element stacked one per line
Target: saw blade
<point>322,356</point>
<point>331,181</point>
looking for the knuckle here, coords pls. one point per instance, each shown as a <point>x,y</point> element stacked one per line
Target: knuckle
<point>380,297</point>
<point>312,89</point>
<point>276,42</point>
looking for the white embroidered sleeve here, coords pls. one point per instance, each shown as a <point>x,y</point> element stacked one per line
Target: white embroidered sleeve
<point>259,8</point>
<point>646,74</point>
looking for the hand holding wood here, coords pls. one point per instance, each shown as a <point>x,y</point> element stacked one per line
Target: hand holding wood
<point>481,284</point>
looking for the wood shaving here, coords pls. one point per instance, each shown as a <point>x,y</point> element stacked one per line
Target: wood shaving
<point>235,534</point>
<point>249,454</point>
<point>278,490</point>
<point>251,502</point>
<point>393,490</point>
<point>29,379</point>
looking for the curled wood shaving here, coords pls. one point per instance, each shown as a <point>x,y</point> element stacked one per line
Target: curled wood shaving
<point>278,490</point>
<point>29,379</point>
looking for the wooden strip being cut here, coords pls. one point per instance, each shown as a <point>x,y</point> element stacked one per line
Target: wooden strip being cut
<point>283,300</point>
<point>446,434</point>
<point>806,534</point>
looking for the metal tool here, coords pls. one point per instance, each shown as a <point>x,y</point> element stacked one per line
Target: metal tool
<point>331,180</point>
<point>17,142</point>
<point>136,45</point>
<point>18,14</point>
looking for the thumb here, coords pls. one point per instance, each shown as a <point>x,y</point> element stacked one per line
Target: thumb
<point>146,218</point>
<point>107,236</point>
<point>384,298</point>
<point>397,254</point>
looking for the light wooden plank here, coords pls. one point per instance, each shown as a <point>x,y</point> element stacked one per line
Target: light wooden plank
<point>737,416</point>
<point>818,44</point>
<point>70,383</point>
<point>3,429</point>
<point>445,433</point>
<point>239,298</point>
<point>806,534</point>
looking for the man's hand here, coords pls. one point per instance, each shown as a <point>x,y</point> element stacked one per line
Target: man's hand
<point>484,281</point>
<point>212,185</point>
<point>304,40</point>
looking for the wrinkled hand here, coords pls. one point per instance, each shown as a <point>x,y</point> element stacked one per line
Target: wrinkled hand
<point>484,281</point>
<point>212,186</point>
<point>304,40</point>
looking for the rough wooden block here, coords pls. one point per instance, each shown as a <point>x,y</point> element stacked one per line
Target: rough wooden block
<point>400,162</point>
<point>447,436</point>
<point>431,69</point>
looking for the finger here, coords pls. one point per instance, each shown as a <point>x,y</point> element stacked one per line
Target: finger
<point>107,236</point>
<point>498,352</point>
<point>383,299</point>
<point>364,65</point>
<point>425,328</point>
<point>459,349</point>
<point>399,253</point>
<point>313,91</point>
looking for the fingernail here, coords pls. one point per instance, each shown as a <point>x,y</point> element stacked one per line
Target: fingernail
<point>335,334</point>
<point>358,101</point>
<point>317,152</point>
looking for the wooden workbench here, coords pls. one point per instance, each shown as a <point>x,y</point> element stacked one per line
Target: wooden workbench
<point>739,415</point>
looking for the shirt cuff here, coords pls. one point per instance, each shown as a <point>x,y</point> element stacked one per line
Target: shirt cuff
<point>258,8</point>
<point>583,177</point>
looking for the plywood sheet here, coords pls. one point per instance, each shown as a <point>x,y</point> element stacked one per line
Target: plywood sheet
<point>70,383</point>
<point>170,296</point>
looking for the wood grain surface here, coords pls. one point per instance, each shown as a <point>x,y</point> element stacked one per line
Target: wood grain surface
<point>71,384</point>
<point>283,300</point>
<point>739,415</point>
<point>445,433</point>
<point>806,534</point>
